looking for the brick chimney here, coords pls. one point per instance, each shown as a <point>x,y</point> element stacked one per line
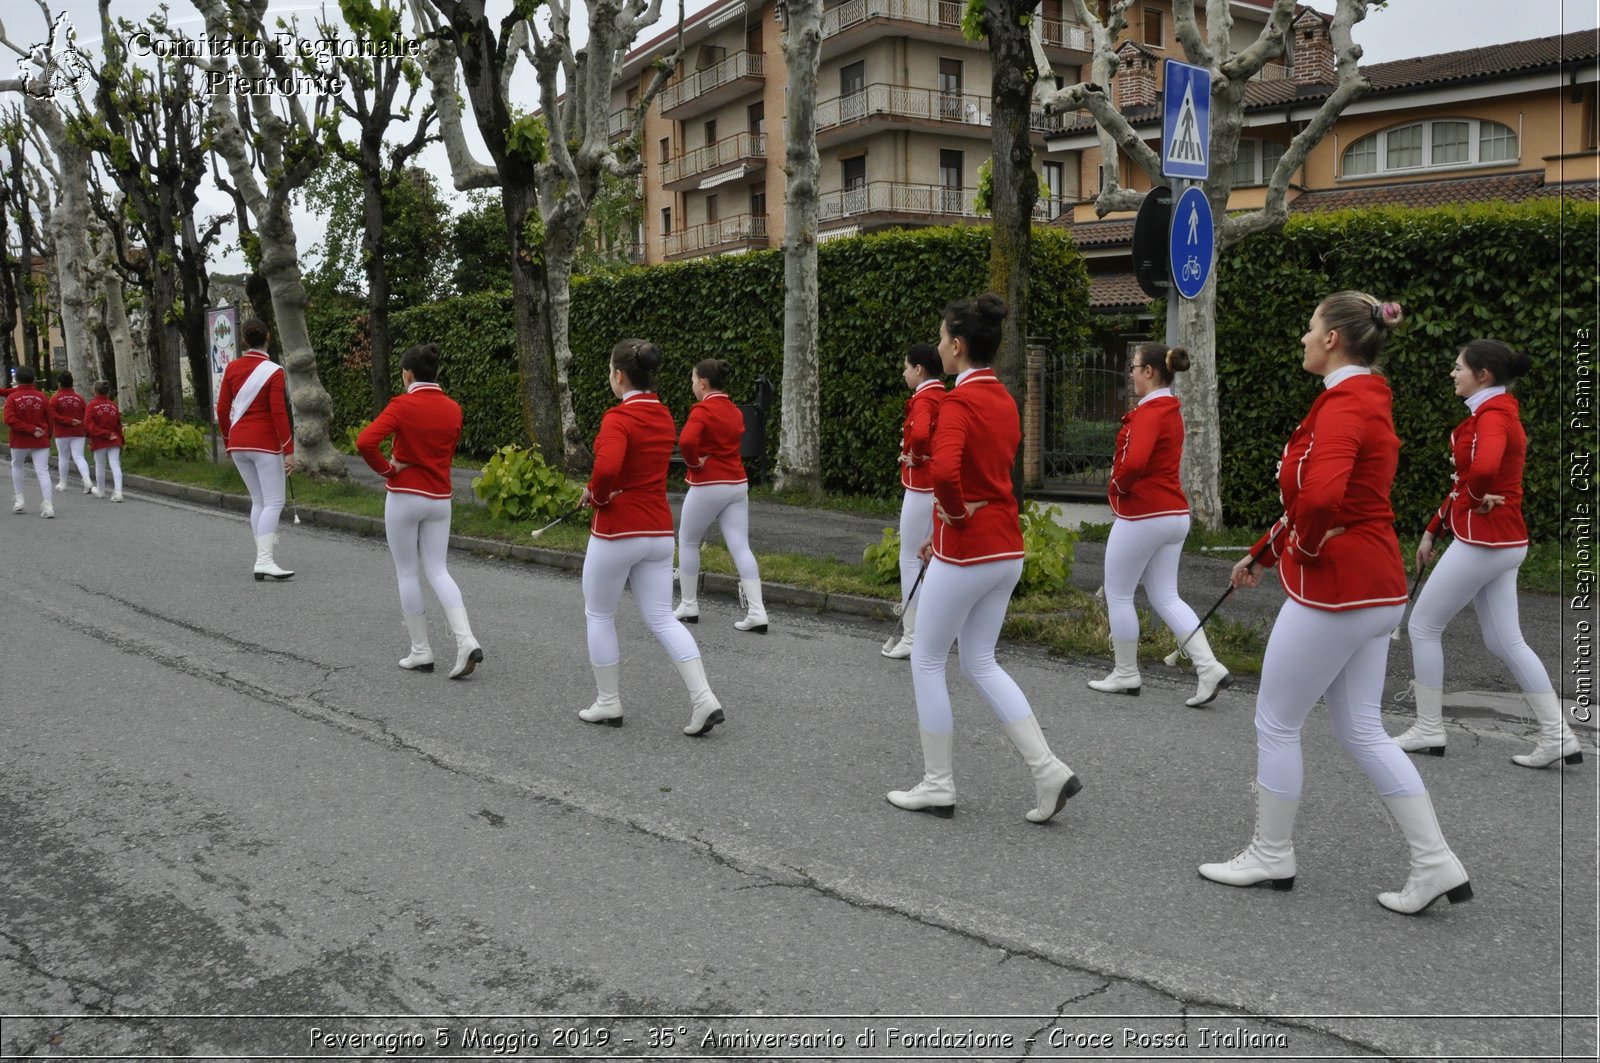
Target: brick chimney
<point>1136,77</point>
<point>1312,48</point>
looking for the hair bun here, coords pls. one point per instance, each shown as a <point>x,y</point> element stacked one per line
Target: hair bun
<point>1177,359</point>
<point>1387,315</point>
<point>992,308</point>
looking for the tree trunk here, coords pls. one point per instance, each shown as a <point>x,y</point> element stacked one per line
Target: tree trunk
<point>164,341</point>
<point>1197,388</point>
<point>131,381</point>
<point>374,248</point>
<point>560,248</point>
<point>800,437</point>
<point>70,237</point>
<point>535,360</point>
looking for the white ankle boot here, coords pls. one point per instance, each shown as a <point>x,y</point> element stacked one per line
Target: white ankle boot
<point>95,491</point>
<point>1269,858</point>
<point>61,485</point>
<point>265,566</point>
<point>707,710</point>
<point>1556,740</point>
<point>1124,679</point>
<point>936,793</point>
<point>1053,781</point>
<point>607,707</point>
<point>755,617</point>
<point>1212,675</point>
<point>688,610</point>
<point>898,648</point>
<point>47,509</point>
<point>1435,871</point>
<point>420,659</point>
<point>468,653</point>
<point>1427,734</point>
<point>18,504</point>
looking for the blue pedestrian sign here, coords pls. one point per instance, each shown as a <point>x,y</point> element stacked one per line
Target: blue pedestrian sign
<point>1191,242</point>
<point>1186,122</point>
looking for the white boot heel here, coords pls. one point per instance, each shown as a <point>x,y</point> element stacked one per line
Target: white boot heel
<point>1124,679</point>
<point>469,654</point>
<point>755,617</point>
<point>936,793</point>
<point>898,648</point>
<point>1213,677</point>
<point>420,659</point>
<point>1426,735</point>
<point>1269,858</point>
<point>607,707</point>
<point>706,710</point>
<point>265,565</point>
<point>1053,781</point>
<point>1556,740</point>
<point>1435,871</point>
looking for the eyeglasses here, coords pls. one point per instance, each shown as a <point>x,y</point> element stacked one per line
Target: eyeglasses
<point>1135,365</point>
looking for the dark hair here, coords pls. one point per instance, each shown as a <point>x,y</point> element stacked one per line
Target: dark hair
<point>1166,361</point>
<point>254,332</point>
<point>713,371</point>
<point>1503,363</point>
<point>24,375</point>
<point>64,379</point>
<point>423,361</point>
<point>639,361</point>
<point>1362,321</point>
<point>977,321</point>
<point>102,387</point>
<point>925,356</point>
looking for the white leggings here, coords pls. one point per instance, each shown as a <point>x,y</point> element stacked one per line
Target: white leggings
<point>71,447</point>
<point>1339,658</point>
<point>419,527</point>
<point>263,475</point>
<point>1146,551</point>
<point>40,456</point>
<point>1487,578</point>
<point>916,524</point>
<point>966,602</point>
<point>643,562</point>
<point>729,506</point>
<point>114,456</point>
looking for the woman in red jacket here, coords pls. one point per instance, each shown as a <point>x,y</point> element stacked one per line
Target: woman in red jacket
<point>67,409</point>
<point>921,372</point>
<point>27,417</point>
<point>105,439</point>
<point>426,425</point>
<point>1339,562</point>
<point>1484,513</point>
<point>253,417</point>
<point>630,540</point>
<point>718,491</point>
<point>1152,522</point>
<point>976,560</point>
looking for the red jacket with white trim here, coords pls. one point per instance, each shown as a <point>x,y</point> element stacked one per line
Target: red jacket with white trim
<point>26,411</point>
<point>974,446</point>
<point>710,442</point>
<point>104,422</point>
<point>426,425</point>
<point>264,425</point>
<point>1488,450</point>
<point>1144,469</point>
<point>629,482</point>
<point>67,410</point>
<point>1336,472</point>
<point>916,436</point>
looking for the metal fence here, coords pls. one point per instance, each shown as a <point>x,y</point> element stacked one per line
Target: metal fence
<point>1085,394</point>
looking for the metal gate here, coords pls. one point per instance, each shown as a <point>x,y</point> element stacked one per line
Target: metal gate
<point>1085,396</point>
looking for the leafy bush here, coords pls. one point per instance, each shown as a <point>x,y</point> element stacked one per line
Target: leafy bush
<point>882,558</point>
<point>1048,551</point>
<point>516,483</point>
<point>353,432</point>
<point>158,437</point>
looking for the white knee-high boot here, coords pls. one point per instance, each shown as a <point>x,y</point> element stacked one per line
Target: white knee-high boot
<point>420,659</point>
<point>936,793</point>
<point>898,648</point>
<point>1124,679</point>
<point>755,617</point>
<point>1269,858</point>
<point>1213,676</point>
<point>688,609</point>
<point>607,707</point>
<point>1435,871</point>
<point>468,653</point>
<point>706,709</point>
<point>1556,740</point>
<point>265,565</point>
<point>1053,781</point>
<point>1427,734</point>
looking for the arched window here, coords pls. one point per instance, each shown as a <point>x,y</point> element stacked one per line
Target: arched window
<point>1435,145</point>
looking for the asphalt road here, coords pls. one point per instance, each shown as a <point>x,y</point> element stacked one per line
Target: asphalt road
<point>222,802</point>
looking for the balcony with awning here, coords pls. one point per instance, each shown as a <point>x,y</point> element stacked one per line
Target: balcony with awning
<point>881,203</point>
<point>742,232</point>
<point>898,107</point>
<point>853,23</point>
<point>729,159</point>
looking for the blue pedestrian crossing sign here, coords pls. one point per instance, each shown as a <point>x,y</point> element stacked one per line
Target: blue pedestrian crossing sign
<point>1186,122</point>
<point>1190,243</point>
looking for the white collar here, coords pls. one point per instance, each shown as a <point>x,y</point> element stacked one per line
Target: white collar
<point>1483,395</point>
<point>1158,393</point>
<point>974,369</point>
<point>1343,373</point>
<point>416,384</point>
<point>935,381</point>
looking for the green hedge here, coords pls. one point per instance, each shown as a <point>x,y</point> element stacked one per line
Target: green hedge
<point>879,294</point>
<point>1492,270</point>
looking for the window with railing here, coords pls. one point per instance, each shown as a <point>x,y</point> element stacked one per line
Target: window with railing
<point>1434,145</point>
<point>691,86</point>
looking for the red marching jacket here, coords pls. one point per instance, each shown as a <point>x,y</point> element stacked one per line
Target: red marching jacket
<point>916,436</point>
<point>27,410</point>
<point>1144,468</point>
<point>66,414</point>
<point>264,425</point>
<point>974,446</point>
<point>426,425</point>
<point>1336,472</point>
<point>710,442</point>
<point>1488,450</point>
<point>630,456</point>
<point>104,422</point>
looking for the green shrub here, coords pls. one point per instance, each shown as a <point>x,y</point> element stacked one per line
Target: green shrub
<point>882,558</point>
<point>1048,551</point>
<point>516,483</point>
<point>157,437</point>
<point>353,432</point>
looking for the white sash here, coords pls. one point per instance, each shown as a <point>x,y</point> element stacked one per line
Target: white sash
<point>252,387</point>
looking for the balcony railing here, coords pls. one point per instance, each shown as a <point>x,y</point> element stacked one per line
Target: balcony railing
<point>749,230</point>
<point>690,86</point>
<point>619,123</point>
<point>896,101</point>
<point>942,13</point>
<point>1272,72</point>
<point>725,152</point>
<point>892,197</point>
